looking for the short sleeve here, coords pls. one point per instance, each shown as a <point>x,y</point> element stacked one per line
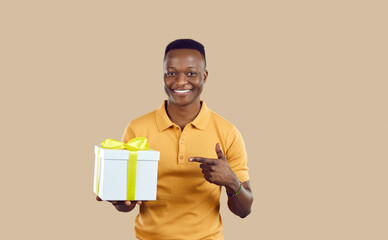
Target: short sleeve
<point>128,134</point>
<point>236,154</point>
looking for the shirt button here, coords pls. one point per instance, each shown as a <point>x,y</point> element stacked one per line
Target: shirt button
<point>181,157</point>
<point>182,141</point>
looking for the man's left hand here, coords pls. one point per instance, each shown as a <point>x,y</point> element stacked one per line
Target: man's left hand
<point>217,171</point>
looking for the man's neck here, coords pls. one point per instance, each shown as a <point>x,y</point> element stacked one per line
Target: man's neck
<point>182,115</point>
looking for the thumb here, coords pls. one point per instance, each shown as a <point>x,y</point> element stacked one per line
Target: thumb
<point>219,152</point>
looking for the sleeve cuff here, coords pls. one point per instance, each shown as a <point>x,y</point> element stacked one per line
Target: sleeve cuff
<point>243,176</point>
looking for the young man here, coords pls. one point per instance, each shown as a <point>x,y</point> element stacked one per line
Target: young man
<point>199,153</point>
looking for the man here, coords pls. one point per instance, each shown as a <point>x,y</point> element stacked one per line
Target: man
<point>199,153</point>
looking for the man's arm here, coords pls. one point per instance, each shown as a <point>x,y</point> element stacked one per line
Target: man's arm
<point>241,203</point>
<point>218,171</point>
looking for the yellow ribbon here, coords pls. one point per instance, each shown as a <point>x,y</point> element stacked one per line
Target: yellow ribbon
<point>135,144</point>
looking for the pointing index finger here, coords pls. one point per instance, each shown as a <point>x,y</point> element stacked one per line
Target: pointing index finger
<point>196,159</point>
<point>202,160</point>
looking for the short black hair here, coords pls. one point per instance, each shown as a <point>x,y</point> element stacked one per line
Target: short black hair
<point>186,44</point>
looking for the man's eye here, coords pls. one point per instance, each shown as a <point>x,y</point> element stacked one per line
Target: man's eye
<point>170,74</point>
<point>191,74</point>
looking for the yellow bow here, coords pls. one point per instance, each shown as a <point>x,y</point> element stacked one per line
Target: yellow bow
<point>138,143</point>
<point>135,144</point>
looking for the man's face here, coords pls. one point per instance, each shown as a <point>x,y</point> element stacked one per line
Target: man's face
<point>184,76</point>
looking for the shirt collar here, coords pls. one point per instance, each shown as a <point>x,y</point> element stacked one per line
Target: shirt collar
<point>203,118</point>
<point>201,121</point>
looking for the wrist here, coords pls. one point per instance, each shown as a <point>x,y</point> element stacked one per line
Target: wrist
<point>233,187</point>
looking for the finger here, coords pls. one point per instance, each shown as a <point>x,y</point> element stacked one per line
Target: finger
<point>205,166</point>
<point>209,178</point>
<point>128,203</point>
<point>98,198</point>
<point>202,160</point>
<point>219,152</point>
<point>196,159</point>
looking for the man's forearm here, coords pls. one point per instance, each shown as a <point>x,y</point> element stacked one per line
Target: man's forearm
<point>242,202</point>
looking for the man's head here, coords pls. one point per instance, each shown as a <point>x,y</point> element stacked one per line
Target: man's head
<point>185,71</point>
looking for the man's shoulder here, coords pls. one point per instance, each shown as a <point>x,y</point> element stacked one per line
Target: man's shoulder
<point>227,130</point>
<point>221,121</point>
<point>219,118</point>
<point>143,120</point>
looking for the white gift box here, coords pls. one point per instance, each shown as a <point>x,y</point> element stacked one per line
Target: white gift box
<point>114,173</point>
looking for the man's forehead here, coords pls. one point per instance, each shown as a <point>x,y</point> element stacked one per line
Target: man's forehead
<point>190,57</point>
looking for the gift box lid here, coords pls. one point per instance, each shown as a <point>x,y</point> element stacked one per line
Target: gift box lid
<point>115,154</point>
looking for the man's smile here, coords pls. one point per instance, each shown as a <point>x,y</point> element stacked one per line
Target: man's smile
<point>181,92</point>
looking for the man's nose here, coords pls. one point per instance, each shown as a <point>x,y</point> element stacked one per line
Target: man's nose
<point>181,79</point>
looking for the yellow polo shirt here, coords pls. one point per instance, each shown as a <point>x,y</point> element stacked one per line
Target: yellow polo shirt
<point>187,206</point>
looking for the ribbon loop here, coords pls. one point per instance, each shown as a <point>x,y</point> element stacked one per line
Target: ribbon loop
<point>135,144</point>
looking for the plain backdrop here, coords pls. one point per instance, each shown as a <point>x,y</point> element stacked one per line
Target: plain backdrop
<point>305,82</point>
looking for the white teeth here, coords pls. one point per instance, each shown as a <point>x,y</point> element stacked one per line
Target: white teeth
<point>181,91</point>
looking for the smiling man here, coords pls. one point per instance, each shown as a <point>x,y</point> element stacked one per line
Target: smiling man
<point>200,152</point>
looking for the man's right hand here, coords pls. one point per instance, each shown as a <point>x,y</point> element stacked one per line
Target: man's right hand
<point>123,206</point>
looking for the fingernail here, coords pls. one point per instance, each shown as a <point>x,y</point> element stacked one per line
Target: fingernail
<point>190,159</point>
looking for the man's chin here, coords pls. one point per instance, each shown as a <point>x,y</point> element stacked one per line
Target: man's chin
<point>181,102</point>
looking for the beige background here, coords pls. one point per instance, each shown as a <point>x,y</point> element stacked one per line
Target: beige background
<point>305,82</point>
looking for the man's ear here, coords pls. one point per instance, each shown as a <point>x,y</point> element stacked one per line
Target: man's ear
<point>205,74</point>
